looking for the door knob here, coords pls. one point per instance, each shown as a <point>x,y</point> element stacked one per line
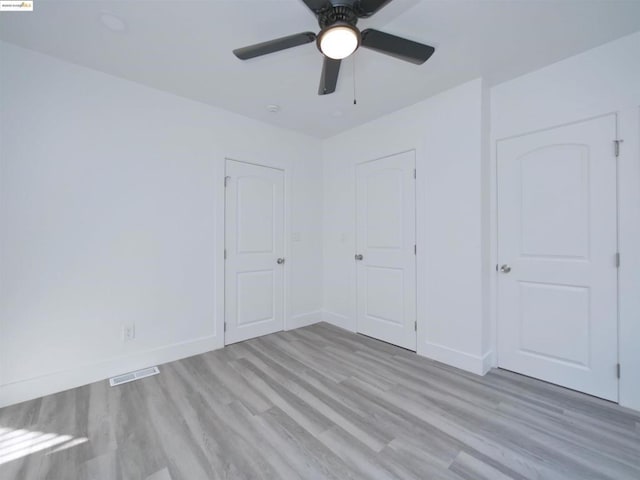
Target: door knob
<point>505,268</point>
<point>359,256</point>
<point>280,261</point>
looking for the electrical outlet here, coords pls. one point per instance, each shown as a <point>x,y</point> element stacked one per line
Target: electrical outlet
<point>295,236</point>
<point>128,332</point>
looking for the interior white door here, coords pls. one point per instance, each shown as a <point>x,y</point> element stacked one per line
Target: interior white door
<point>254,243</point>
<point>557,237</point>
<point>385,258</point>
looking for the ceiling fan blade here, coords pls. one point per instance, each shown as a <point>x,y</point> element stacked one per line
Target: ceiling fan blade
<point>329,76</point>
<point>317,6</point>
<point>274,45</point>
<point>398,47</point>
<point>366,8</point>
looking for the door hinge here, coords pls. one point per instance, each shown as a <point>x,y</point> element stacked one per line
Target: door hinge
<point>225,253</point>
<point>415,326</point>
<point>225,326</point>
<point>618,260</point>
<point>616,147</point>
<point>415,249</point>
<point>414,173</point>
<point>226,180</point>
<point>618,370</point>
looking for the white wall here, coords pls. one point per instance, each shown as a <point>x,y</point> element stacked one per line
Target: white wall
<point>110,201</point>
<point>600,81</point>
<point>452,212</point>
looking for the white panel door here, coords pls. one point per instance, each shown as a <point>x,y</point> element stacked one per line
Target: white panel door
<point>386,233</point>
<point>557,306</point>
<point>254,242</point>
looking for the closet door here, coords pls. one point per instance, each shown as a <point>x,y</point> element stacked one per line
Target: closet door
<point>254,249</point>
<point>557,239</point>
<point>385,257</point>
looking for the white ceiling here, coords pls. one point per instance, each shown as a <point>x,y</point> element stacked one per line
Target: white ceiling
<point>185,47</point>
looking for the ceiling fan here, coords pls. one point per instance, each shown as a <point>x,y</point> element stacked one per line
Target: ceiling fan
<point>339,37</point>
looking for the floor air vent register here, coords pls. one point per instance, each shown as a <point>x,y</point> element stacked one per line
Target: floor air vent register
<point>130,377</point>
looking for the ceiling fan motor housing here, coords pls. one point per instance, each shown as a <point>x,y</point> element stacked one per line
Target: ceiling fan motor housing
<point>337,14</point>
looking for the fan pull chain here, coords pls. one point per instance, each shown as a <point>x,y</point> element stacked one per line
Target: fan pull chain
<point>354,80</point>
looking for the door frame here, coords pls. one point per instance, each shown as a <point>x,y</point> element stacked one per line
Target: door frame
<point>219,248</point>
<point>493,230</point>
<point>415,240</point>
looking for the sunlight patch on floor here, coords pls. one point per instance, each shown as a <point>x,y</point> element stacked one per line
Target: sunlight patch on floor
<point>18,443</point>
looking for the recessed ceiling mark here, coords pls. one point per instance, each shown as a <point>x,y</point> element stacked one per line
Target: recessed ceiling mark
<point>112,22</point>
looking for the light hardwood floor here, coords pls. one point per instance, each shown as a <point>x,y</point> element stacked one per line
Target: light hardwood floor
<point>315,403</point>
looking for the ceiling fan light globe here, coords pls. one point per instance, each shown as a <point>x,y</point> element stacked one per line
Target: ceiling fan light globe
<point>339,41</point>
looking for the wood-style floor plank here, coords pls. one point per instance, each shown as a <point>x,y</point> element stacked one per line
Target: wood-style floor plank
<point>319,403</point>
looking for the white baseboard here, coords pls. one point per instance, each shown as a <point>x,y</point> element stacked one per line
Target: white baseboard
<point>304,319</point>
<point>37,387</point>
<point>491,360</point>
<point>477,364</point>
<point>339,320</point>
<point>57,382</point>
